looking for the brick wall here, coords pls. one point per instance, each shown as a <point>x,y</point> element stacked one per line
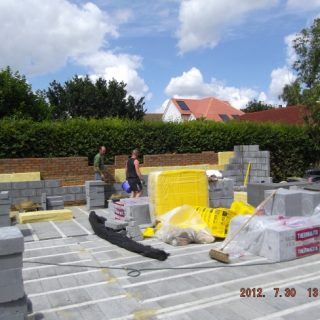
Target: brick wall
<point>75,170</point>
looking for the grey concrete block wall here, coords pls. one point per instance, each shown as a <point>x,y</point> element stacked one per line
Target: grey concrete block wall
<point>13,302</point>
<point>32,190</point>
<point>95,194</point>
<point>243,155</point>
<point>5,204</point>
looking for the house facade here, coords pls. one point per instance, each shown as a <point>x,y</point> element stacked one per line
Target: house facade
<point>180,109</point>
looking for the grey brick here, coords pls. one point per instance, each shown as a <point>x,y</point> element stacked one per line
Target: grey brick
<point>19,185</point>
<point>48,191</point>
<point>11,285</point>
<point>94,183</point>
<point>4,195</point>
<point>116,224</point>
<point>28,193</point>
<point>36,184</point>
<point>51,183</point>
<point>13,310</point>
<point>254,147</point>
<point>4,221</point>
<point>11,241</point>
<point>80,196</point>
<point>96,203</point>
<point>11,261</point>
<point>58,191</point>
<point>55,203</point>
<point>69,197</point>
<point>5,186</point>
<point>54,198</point>
<point>58,207</point>
<point>75,189</point>
<point>4,209</point>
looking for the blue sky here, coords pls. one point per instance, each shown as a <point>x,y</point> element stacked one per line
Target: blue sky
<point>234,50</point>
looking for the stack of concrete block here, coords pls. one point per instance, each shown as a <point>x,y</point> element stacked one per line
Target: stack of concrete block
<point>95,194</point>
<point>238,165</point>
<point>221,193</point>
<point>133,231</point>
<point>116,224</point>
<point>136,209</point>
<point>13,302</point>
<point>32,190</point>
<point>54,203</point>
<point>5,205</point>
<point>292,202</point>
<point>256,190</point>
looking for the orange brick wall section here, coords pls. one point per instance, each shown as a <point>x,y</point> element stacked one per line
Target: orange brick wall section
<point>75,170</point>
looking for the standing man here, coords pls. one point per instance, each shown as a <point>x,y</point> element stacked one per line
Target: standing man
<point>98,164</point>
<point>133,175</point>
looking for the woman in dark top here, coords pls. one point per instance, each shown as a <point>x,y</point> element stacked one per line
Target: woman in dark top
<point>133,175</point>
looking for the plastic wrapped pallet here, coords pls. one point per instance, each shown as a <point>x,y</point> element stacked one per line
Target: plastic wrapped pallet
<point>276,238</point>
<point>174,188</point>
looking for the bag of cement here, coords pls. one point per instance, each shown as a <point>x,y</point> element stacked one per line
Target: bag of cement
<point>183,225</point>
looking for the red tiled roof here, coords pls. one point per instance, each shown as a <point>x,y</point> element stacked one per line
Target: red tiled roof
<point>289,115</point>
<point>209,108</point>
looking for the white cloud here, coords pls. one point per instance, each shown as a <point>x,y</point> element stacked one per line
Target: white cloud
<point>40,37</point>
<point>202,22</point>
<point>303,5</point>
<point>291,53</point>
<point>279,78</point>
<point>122,67</point>
<point>191,85</point>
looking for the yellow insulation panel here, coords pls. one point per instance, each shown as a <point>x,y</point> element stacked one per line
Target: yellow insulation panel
<point>224,157</point>
<point>174,188</point>
<point>240,196</point>
<point>23,176</point>
<point>46,215</point>
<point>120,173</point>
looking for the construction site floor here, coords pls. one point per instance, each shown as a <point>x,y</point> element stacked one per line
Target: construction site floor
<point>76,290</point>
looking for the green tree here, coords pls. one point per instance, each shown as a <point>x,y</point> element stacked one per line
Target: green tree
<point>18,100</point>
<point>306,89</point>
<point>254,106</point>
<point>81,97</point>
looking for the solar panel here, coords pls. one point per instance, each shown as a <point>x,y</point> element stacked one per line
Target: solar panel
<point>224,117</point>
<point>182,105</point>
<point>235,116</point>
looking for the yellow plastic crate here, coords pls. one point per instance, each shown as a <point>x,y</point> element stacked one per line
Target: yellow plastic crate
<point>217,219</point>
<point>174,188</point>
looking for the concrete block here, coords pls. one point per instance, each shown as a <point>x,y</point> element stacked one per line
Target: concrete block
<point>69,197</point>
<point>116,224</point>
<point>11,285</point>
<point>58,207</point>
<point>19,185</point>
<point>36,184</point>
<point>5,186</point>
<point>16,193</point>
<point>253,147</point>
<point>51,183</point>
<point>285,202</point>
<point>220,203</point>
<point>4,209</point>
<point>4,195</point>
<point>54,203</point>
<point>5,221</point>
<point>54,198</point>
<point>96,202</point>
<point>92,183</point>
<point>80,196</point>
<point>13,310</point>
<point>11,241</point>
<point>58,191</point>
<point>28,193</point>
<point>310,200</point>
<point>44,201</point>
<point>75,189</point>
<point>117,187</point>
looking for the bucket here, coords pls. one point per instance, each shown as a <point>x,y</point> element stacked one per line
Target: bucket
<point>126,187</point>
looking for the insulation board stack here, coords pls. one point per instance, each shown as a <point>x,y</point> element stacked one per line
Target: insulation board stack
<point>243,155</point>
<point>54,203</point>
<point>133,209</point>
<point>221,193</point>
<point>95,194</point>
<point>46,215</point>
<point>13,302</point>
<point>292,202</point>
<point>174,188</point>
<point>5,205</point>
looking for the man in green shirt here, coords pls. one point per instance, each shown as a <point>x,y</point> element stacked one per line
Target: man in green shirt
<point>98,164</point>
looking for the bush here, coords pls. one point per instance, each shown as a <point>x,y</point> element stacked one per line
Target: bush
<point>292,149</point>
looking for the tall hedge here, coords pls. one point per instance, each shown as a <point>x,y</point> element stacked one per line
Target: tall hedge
<point>292,149</point>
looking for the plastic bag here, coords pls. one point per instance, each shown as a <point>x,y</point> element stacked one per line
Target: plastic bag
<point>183,225</point>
